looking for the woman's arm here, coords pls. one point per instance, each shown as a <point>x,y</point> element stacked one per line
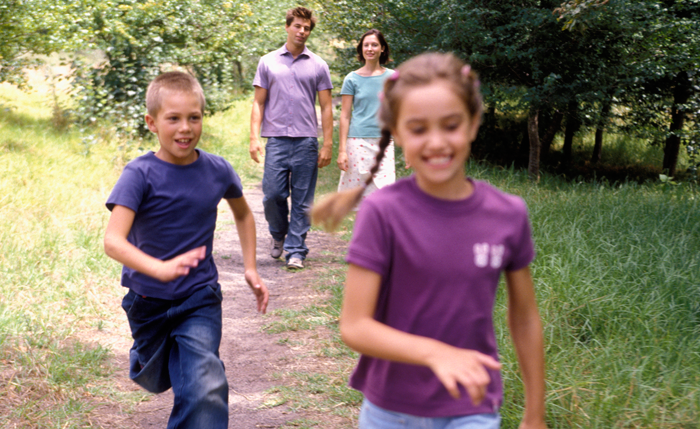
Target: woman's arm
<point>345,114</point>
<point>526,330</point>
<point>118,248</point>
<point>359,330</point>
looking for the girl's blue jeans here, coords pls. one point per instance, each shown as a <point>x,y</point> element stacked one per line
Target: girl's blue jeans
<point>374,417</point>
<point>176,344</point>
<point>291,168</point>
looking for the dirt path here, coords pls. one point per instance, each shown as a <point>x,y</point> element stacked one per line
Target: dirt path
<point>255,361</point>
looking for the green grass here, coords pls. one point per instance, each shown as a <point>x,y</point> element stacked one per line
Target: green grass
<point>58,290</point>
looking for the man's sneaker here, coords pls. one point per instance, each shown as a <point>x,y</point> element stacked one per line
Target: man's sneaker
<point>277,247</point>
<point>295,263</point>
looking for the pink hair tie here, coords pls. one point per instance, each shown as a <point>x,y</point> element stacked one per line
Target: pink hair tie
<point>466,69</point>
<point>381,95</point>
<point>394,76</point>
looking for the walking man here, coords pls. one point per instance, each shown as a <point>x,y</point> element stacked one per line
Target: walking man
<point>286,83</point>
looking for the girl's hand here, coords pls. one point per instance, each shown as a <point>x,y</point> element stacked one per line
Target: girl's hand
<point>455,366</point>
<point>181,264</point>
<point>343,160</point>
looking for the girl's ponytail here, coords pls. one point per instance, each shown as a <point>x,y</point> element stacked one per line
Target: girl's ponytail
<point>330,211</point>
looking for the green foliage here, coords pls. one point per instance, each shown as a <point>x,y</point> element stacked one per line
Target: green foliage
<point>577,58</point>
<point>141,38</point>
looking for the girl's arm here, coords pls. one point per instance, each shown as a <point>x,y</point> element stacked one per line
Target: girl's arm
<point>526,330</point>
<point>118,248</point>
<point>359,330</point>
<point>245,225</point>
<point>345,113</point>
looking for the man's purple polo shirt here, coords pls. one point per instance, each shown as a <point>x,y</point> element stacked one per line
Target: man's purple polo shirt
<point>291,84</point>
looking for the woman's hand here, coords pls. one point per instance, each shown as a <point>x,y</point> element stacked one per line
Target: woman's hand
<point>343,160</point>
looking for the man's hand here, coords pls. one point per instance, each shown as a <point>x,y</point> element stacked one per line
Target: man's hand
<point>255,150</point>
<point>325,155</point>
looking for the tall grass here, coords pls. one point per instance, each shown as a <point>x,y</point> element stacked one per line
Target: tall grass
<point>58,290</point>
<point>618,282</point>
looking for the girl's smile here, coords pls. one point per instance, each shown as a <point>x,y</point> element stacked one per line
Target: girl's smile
<point>435,131</point>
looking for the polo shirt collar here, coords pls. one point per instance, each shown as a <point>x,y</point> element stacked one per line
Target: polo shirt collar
<point>305,52</point>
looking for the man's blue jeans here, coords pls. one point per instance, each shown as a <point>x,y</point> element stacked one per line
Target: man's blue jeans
<point>291,168</point>
<point>176,343</point>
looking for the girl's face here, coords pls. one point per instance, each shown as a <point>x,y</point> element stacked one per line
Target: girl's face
<point>371,48</point>
<point>435,131</point>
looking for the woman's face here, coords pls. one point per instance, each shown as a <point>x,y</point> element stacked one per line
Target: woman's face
<point>371,48</point>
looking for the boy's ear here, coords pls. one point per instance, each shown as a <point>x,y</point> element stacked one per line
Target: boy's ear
<point>151,122</point>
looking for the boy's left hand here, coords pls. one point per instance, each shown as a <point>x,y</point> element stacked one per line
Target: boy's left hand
<point>259,289</point>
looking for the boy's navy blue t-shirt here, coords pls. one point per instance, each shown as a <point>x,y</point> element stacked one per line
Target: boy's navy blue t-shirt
<point>176,208</point>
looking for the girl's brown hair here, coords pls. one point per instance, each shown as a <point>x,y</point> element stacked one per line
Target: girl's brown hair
<point>416,72</point>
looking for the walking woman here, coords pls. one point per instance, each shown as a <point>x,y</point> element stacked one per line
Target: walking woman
<point>359,129</point>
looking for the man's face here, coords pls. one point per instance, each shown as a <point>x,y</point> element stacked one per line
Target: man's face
<point>297,32</point>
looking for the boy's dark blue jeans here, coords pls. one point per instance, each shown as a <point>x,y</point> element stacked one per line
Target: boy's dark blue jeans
<point>176,344</point>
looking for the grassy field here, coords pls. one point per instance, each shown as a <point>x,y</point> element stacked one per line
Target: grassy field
<point>617,275</point>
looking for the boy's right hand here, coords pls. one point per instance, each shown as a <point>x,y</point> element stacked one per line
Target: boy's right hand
<point>455,366</point>
<point>180,265</point>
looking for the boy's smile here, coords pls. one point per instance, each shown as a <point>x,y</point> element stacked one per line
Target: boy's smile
<point>178,125</point>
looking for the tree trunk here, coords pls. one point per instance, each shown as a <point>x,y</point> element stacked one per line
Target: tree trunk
<point>598,146</point>
<point>681,94</point>
<point>572,125</point>
<point>552,130</point>
<point>533,167</point>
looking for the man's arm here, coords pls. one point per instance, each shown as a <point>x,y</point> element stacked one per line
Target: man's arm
<point>118,248</point>
<point>245,225</point>
<point>256,117</point>
<point>325,155</point>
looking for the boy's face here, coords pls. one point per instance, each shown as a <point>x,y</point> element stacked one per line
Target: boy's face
<point>297,32</point>
<point>178,125</point>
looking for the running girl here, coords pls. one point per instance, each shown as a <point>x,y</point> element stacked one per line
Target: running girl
<point>425,259</point>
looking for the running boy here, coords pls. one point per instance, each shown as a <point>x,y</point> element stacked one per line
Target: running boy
<point>164,209</point>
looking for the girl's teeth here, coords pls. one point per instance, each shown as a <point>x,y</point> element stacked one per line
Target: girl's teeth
<point>440,160</point>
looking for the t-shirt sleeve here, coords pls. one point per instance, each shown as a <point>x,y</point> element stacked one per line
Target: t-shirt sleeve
<point>261,75</point>
<point>348,87</point>
<point>370,246</point>
<point>235,188</point>
<point>129,190</point>
<point>324,78</point>
<point>524,246</point>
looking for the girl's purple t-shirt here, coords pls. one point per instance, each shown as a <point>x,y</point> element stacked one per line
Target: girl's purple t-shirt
<point>440,263</point>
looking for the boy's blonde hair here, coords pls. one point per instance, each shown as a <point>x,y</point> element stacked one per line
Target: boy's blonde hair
<point>301,13</point>
<point>173,81</point>
<point>416,72</point>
